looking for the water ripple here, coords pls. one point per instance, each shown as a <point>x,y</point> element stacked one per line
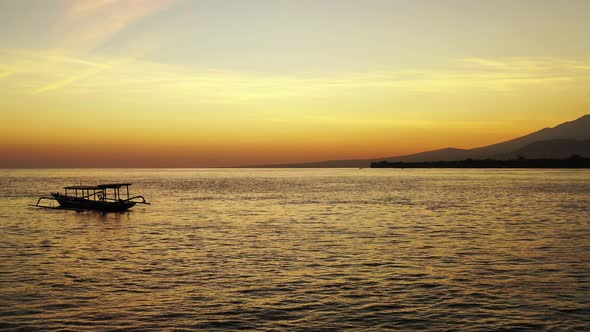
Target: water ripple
<point>268,250</point>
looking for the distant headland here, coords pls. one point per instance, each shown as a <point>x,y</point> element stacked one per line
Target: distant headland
<point>557,143</point>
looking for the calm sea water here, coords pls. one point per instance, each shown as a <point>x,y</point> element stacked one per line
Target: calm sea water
<point>311,249</point>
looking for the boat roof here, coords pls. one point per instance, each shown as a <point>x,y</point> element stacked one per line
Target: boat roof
<point>100,186</point>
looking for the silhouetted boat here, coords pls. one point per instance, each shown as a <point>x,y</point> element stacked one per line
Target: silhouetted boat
<point>102,197</point>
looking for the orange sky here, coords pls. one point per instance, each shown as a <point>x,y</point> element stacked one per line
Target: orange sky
<point>154,83</point>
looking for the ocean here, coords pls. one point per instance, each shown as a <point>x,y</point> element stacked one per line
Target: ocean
<point>300,250</point>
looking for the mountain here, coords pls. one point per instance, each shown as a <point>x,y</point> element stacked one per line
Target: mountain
<point>557,148</point>
<point>558,142</point>
<point>574,130</point>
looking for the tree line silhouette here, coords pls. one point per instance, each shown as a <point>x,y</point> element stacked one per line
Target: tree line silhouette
<point>574,161</point>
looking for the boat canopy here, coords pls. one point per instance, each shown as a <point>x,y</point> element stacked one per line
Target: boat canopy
<point>100,186</point>
<point>102,197</point>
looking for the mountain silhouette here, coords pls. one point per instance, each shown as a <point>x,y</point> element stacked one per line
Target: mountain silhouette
<point>561,141</point>
<point>574,130</point>
<point>552,149</point>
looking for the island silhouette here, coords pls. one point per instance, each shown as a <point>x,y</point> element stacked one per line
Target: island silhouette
<point>557,143</point>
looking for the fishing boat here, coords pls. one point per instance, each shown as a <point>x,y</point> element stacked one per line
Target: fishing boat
<point>103,197</point>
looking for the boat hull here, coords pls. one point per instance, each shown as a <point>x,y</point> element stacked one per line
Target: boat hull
<point>69,202</point>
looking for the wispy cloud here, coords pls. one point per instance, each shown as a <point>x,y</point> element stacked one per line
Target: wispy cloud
<point>72,79</point>
<point>86,25</point>
<point>54,72</point>
<point>6,73</point>
<point>531,65</point>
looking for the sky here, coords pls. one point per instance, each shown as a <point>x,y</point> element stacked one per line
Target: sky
<point>205,83</point>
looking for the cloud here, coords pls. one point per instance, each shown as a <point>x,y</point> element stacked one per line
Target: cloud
<point>71,79</point>
<point>86,25</point>
<point>529,65</point>
<point>126,77</point>
<point>6,73</point>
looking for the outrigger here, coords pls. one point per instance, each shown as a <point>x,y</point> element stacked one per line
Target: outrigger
<point>102,197</point>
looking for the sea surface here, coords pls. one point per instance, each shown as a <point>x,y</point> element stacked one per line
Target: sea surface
<point>300,250</point>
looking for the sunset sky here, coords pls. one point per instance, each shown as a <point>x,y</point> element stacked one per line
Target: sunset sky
<point>200,83</point>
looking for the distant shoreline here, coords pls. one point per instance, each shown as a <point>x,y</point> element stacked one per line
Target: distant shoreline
<point>572,162</point>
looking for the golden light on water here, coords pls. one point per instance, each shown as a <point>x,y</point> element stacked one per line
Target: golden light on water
<point>303,249</point>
